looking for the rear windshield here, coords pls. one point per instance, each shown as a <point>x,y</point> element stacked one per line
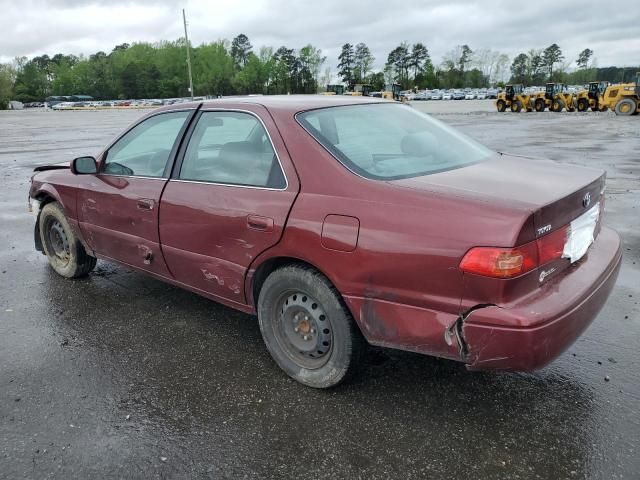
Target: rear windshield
<point>391,141</point>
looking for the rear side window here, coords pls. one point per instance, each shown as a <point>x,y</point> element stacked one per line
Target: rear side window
<point>145,149</point>
<point>231,148</point>
<point>390,141</point>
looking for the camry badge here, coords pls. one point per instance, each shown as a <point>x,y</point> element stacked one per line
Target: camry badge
<point>545,273</point>
<point>586,200</point>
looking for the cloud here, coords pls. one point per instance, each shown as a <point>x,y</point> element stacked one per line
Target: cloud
<point>35,27</point>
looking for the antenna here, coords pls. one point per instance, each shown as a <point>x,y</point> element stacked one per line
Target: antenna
<point>186,37</point>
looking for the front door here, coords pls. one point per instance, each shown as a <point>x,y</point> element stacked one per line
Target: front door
<point>227,201</point>
<point>118,207</point>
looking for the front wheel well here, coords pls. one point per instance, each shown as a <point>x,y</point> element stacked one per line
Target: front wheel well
<point>44,198</point>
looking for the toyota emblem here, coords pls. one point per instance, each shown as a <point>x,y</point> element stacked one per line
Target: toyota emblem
<point>586,200</point>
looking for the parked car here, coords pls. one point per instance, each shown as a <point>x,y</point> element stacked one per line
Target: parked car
<point>62,106</point>
<point>436,95</point>
<point>447,95</point>
<point>482,95</point>
<point>342,221</point>
<point>492,93</point>
<point>458,95</point>
<point>471,95</point>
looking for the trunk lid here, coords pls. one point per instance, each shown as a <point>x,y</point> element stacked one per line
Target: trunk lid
<point>554,194</point>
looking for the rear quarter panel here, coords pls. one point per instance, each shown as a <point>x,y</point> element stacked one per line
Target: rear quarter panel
<point>401,281</point>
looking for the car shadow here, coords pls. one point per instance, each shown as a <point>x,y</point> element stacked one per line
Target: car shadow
<point>185,364</point>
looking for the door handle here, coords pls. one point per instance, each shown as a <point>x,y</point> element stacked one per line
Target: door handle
<point>145,204</point>
<point>257,222</point>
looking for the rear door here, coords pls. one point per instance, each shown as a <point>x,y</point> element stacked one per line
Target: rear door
<point>118,207</point>
<point>227,201</point>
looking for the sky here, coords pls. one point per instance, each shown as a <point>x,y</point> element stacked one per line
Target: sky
<point>612,31</point>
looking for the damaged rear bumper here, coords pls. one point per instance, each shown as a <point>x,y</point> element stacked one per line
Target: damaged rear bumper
<point>533,332</point>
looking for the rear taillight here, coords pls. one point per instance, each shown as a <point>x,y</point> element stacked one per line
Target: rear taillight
<point>551,246</point>
<point>501,262</point>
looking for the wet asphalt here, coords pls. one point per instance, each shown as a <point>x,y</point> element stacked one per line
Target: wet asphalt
<point>121,376</point>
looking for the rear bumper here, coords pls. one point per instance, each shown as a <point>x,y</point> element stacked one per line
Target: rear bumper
<point>563,309</point>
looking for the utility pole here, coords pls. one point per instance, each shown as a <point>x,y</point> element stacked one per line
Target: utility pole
<point>186,37</point>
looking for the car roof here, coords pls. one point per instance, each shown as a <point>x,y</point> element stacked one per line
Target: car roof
<point>283,103</point>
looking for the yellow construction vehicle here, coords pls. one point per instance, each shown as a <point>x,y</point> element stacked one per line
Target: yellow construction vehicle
<point>624,98</point>
<point>334,90</point>
<point>513,98</point>
<point>360,90</point>
<point>555,97</point>
<point>392,92</point>
<point>592,98</point>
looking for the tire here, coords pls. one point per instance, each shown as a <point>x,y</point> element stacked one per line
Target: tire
<point>540,106</point>
<point>557,105</point>
<point>626,106</point>
<point>64,251</point>
<point>583,104</point>
<point>307,329</point>
<point>516,106</point>
<point>501,105</point>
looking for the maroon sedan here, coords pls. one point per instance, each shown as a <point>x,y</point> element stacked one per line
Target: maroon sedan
<point>342,221</point>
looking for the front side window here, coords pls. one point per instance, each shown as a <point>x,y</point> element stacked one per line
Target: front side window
<point>231,148</point>
<point>390,141</point>
<point>144,150</point>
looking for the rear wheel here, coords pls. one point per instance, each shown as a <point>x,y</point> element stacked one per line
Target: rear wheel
<point>516,106</point>
<point>64,251</point>
<point>501,105</point>
<point>558,105</point>
<point>626,106</point>
<point>540,105</point>
<point>307,329</point>
<point>583,105</point>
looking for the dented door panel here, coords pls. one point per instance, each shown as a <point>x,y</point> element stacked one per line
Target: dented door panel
<point>115,224</point>
<point>209,233</point>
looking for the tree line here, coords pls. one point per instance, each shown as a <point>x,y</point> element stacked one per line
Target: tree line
<point>158,70</point>
<point>537,67</point>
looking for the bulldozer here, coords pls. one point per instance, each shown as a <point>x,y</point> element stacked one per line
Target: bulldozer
<point>592,97</point>
<point>513,98</point>
<point>555,97</point>
<point>624,98</point>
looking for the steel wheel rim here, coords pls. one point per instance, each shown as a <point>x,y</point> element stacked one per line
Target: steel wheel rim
<point>303,330</point>
<point>58,241</point>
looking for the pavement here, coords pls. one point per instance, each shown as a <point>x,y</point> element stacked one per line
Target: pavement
<point>121,376</point>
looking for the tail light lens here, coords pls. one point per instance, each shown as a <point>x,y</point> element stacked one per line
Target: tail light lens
<point>500,262</point>
<point>551,246</point>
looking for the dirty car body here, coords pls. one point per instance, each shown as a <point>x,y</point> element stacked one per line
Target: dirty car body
<point>497,261</point>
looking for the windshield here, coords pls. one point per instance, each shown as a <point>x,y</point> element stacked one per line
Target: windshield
<point>390,141</point>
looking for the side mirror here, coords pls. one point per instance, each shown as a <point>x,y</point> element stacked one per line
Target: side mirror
<point>84,166</point>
